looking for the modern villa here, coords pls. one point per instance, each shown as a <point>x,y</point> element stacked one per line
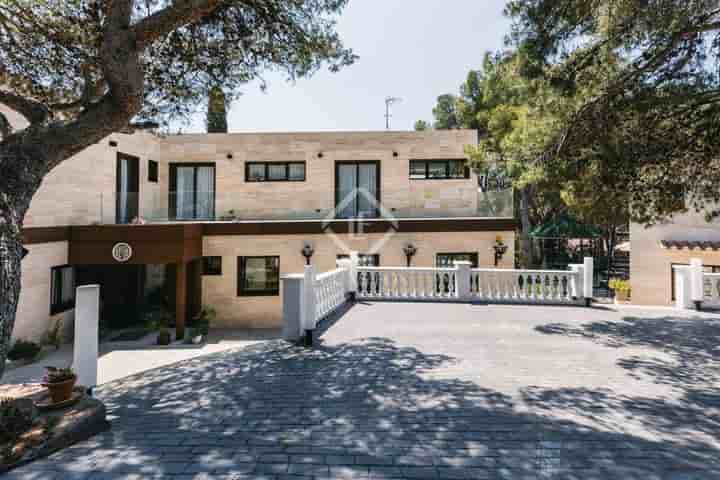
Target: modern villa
<point>215,220</point>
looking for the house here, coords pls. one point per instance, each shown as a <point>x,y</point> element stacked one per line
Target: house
<point>217,219</point>
<point>655,250</point>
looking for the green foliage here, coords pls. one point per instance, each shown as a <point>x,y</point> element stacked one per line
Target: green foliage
<point>216,111</point>
<point>201,322</point>
<point>648,92</point>
<point>445,113</point>
<point>14,421</point>
<point>58,374</point>
<point>619,285</point>
<point>23,350</point>
<point>421,126</point>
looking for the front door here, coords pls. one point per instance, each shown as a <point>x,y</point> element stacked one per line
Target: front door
<point>127,188</point>
<point>357,189</point>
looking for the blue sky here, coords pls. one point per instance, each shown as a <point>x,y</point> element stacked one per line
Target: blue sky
<point>414,49</point>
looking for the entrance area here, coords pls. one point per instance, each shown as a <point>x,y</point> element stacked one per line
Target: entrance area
<point>133,295</point>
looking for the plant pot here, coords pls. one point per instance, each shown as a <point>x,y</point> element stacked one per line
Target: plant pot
<point>197,339</point>
<point>61,391</point>
<point>622,295</point>
<point>164,338</point>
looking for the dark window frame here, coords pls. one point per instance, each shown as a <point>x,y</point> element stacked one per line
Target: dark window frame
<point>361,256</point>
<point>133,208</point>
<point>153,171</point>
<point>241,276</point>
<point>56,304</point>
<point>474,258</point>
<point>172,190</point>
<point>266,177</point>
<point>207,268</point>
<point>447,161</point>
<point>378,182</point>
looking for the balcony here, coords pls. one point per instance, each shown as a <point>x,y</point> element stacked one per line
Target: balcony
<point>159,207</point>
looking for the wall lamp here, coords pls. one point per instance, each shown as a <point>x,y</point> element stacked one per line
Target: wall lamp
<point>500,249</point>
<point>229,156</point>
<point>320,155</point>
<point>409,250</point>
<point>307,251</point>
<point>113,143</point>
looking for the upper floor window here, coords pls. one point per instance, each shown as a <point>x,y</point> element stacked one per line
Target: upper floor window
<point>275,171</point>
<point>152,171</point>
<point>192,191</point>
<point>62,289</point>
<point>438,169</point>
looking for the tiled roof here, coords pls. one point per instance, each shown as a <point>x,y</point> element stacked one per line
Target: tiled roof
<point>688,245</point>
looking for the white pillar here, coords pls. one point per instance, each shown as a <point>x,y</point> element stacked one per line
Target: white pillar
<point>462,279</point>
<point>354,263</point>
<point>588,272</point>
<point>683,289</point>
<point>292,306</point>
<point>85,352</point>
<point>308,298</point>
<point>576,281</point>
<point>696,281</point>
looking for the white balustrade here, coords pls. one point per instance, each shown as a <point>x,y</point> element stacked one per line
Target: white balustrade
<point>331,289</point>
<point>711,289</point>
<point>390,283</point>
<point>524,286</point>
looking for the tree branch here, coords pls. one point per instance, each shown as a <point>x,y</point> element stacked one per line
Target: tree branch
<point>5,127</point>
<point>34,112</point>
<point>180,13</point>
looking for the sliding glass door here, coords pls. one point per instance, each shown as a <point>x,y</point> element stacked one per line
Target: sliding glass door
<point>357,189</point>
<point>192,191</point>
<point>127,188</point>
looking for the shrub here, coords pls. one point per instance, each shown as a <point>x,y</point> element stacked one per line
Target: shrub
<point>57,375</point>
<point>13,420</point>
<point>619,285</point>
<point>23,350</point>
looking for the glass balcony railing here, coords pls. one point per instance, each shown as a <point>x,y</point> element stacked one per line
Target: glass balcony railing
<point>156,207</point>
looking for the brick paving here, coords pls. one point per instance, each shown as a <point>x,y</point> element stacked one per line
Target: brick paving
<point>427,391</point>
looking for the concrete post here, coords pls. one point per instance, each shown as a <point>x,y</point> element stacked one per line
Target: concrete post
<point>683,289</point>
<point>354,263</point>
<point>588,273</point>
<point>346,265</point>
<point>292,310</point>
<point>85,352</point>
<point>576,281</point>
<point>696,282</point>
<point>308,303</point>
<point>462,290</point>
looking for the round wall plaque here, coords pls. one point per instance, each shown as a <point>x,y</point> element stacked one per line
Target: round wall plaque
<point>122,252</point>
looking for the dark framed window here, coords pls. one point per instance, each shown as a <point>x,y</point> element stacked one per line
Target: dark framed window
<point>62,289</point>
<point>152,171</point>
<point>438,169</point>
<point>274,171</point>
<point>212,265</point>
<point>706,269</point>
<point>192,191</point>
<point>447,260</point>
<point>357,189</point>
<point>364,259</point>
<point>258,276</point>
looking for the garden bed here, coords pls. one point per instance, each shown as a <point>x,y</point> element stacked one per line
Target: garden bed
<point>51,429</point>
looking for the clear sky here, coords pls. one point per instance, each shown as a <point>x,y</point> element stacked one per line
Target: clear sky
<point>413,49</point>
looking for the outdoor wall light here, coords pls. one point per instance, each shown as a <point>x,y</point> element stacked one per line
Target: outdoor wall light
<point>229,156</point>
<point>320,155</point>
<point>409,250</point>
<point>307,251</point>
<point>395,154</point>
<point>113,143</point>
<point>500,249</point>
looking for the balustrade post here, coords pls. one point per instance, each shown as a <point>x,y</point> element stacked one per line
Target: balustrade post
<point>462,280</point>
<point>354,263</point>
<point>588,273</point>
<point>576,280</point>
<point>696,282</point>
<point>309,308</point>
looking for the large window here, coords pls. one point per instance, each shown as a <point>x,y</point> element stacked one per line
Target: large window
<point>357,189</point>
<point>447,260</point>
<point>62,289</point>
<point>275,171</point>
<point>438,169</point>
<point>258,276</point>
<point>192,191</point>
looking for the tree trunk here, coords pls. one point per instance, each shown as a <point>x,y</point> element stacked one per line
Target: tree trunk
<point>526,226</point>
<point>10,257</point>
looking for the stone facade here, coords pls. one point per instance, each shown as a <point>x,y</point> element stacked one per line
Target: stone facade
<point>651,264</point>
<point>265,312</point>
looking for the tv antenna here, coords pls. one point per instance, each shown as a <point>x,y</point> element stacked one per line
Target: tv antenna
<point>389,101</point>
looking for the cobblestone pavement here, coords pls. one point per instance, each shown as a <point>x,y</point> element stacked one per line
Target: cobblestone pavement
<point>427,391</point>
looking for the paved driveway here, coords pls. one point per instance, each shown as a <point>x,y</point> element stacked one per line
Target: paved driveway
<point>428,391</point>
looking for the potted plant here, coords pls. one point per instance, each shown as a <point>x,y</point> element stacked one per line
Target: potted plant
<point>60,383</point>
<point>621,288</point>
<point>164,336</point>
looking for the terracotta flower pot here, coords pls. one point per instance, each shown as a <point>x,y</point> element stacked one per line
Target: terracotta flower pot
<point>622,295</point>
<point>61,391</point>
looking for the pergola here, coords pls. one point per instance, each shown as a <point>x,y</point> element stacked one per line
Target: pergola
<point>564,229</point>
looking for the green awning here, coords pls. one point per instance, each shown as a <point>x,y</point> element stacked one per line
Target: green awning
<point>565,226</point>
